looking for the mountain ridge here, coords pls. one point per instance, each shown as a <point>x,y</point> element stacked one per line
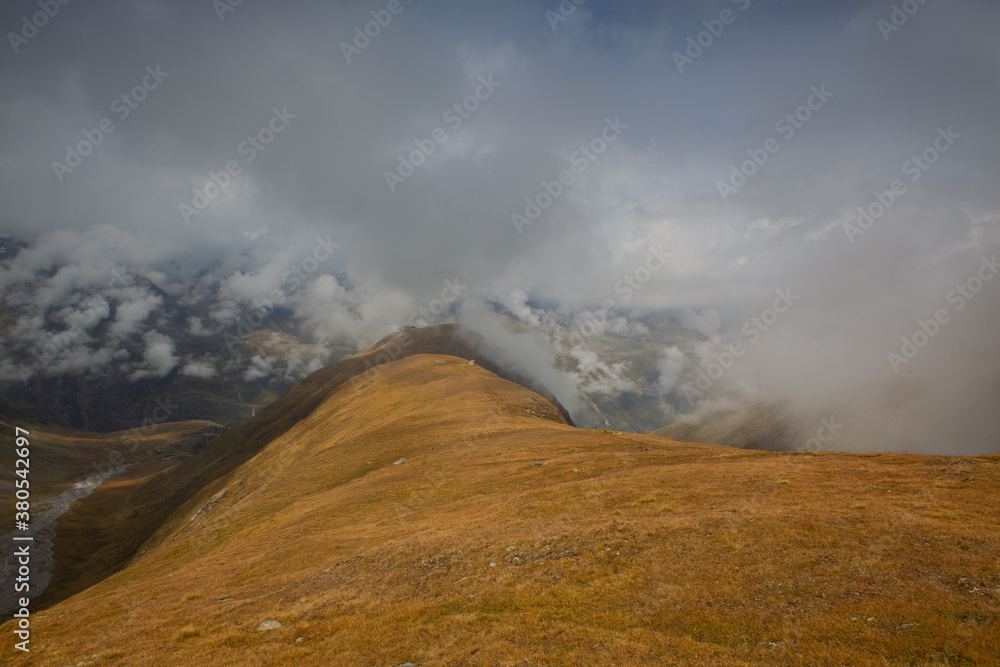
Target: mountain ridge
<point>150,503</point>
<point>439,514</point>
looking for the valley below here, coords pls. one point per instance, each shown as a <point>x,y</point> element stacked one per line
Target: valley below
<point>43,531</point>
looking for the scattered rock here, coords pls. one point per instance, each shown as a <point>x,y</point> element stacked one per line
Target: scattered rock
<point>407,664</point>
<point>298,640</point>
<point>268,625</point>
<point>399,462</point>
<point>539,463</point>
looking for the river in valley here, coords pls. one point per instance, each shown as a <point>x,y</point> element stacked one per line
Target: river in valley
<point>45,515</point>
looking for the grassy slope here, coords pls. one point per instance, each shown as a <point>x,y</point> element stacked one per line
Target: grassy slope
<point>61,456</point>
<point>85,531</point>
<point>622,550</point>
<point>147,502</point>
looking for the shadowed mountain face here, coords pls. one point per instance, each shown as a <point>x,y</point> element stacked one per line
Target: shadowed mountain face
<point>150,500</point>
<point>756,426</point>
<point>434,513</point>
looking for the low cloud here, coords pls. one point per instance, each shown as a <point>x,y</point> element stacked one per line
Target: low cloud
<point>670,367</point>
<point>100,258</point>
<point>598,377</point>
<point>158,359</point>
<point>199,369</point>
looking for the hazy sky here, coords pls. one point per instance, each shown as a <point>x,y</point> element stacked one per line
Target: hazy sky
<point>642,121</point>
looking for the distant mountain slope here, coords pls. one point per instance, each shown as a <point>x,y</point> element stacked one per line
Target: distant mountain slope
<point>755,426</point>
<point>60,456</point>
<point>435,513</point>
<point>109,399</point>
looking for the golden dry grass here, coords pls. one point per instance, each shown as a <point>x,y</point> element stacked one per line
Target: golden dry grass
<point>61,456</point>
<point>615,549</point>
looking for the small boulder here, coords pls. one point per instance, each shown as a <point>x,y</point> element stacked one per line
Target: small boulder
<point>399,462</point>
<point>268,625</point>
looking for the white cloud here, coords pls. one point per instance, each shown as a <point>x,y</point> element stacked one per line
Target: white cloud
<point>199,369</point>
<point>260,367</point>
<point>598,377</point>
<point>130,315</point>
<point>670,367</point>
<point>516,303</point>
<point>158,359</point>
